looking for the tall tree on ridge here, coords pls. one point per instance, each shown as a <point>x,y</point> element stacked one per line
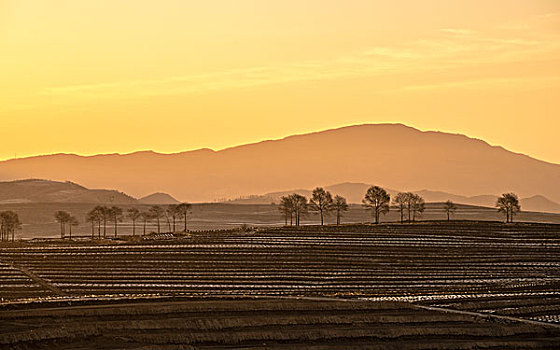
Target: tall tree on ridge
<point>300,207</point>
<point>340,205</point>
<point>449,207</point>
<point>322,202</point>
<point>418,205</point>
<point>401,201</point>
<point>286,208</point>
<point>508,204</point>
<point>377,200</point>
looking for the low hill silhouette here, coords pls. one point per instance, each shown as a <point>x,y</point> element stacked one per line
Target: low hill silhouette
<point>45,191</point>
<point>158,198</point>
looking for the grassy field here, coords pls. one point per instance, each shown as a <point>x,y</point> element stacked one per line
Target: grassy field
<point>38,219</point>
<point>263,323</point>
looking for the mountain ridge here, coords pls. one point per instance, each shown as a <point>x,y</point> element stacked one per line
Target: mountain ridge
<point>395,155</point>
<point>210,150</point>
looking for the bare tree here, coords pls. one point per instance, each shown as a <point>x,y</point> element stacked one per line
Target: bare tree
<point>93,217</point>
<point>146,217</point>
<point>508,204</point>
<point>62,217</point>
<point>377,200</point>
<point>105,216</point>
<point>417,205</point>
<point>300,206</point>
<point>156,213</point>
<point>134,215</point>
<point>286,208</point>
<point>183,210</point>
<point>72,222</point>
<point>171,214</point>
<point>449,207</point>
<point>116,215</point>
<point>9,222</point>
<point>322,202</point>
<point>340,205</point>
<point>401,201</point>
<point>99,213</point>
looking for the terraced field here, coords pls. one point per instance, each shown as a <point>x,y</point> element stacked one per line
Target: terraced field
<point>264,323</point>
<point>481,267</point>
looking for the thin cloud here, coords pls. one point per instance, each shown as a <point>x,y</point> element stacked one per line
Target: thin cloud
<point>458,31</point>
<point>456,48</point>
<point>525,83</point>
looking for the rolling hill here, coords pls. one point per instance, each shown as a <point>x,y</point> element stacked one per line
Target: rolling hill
<point>45,191</point>
<point>390,155</point>
<point>158,198</point>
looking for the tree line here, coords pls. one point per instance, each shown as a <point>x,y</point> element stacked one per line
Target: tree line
<point>293,208</point>
<point>378,201</point>
<point>101,216</point>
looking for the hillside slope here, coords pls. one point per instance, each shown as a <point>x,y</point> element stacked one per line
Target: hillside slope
<point>45,191</point>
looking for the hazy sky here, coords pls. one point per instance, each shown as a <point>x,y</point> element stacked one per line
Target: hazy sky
<point>119,76</point>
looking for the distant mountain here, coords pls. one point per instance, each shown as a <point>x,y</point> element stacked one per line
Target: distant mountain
<point>392,155</point>
<point>158,198</point>
<point>45,191</point>
<point>540,203</point>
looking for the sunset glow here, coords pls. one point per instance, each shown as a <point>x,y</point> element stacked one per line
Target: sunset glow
<point>92,77</point>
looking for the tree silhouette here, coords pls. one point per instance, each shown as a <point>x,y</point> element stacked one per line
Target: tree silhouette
<point>115,214</point>
<point>62,217</point>
<point>156,213</point>
<point>417,205</point>
<point>9,222</point>
<point>171,215</point>
<point>183,209</point>
<point>146,217</point>
<point>377,200</point>
<point>322,202</point>
<point>401,201</point>
<point>105,214</point>
<point>93,217</point>
<point>508,204</point>
<point>286,208</point>
<point>449,207</point>
<point>97,215</point>
<point>300,207</point>
<point>72,222</point>
<point>134,215</point>
<point>340,206</point>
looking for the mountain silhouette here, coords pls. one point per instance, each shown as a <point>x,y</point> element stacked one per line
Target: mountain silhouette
<point>390,155</point>
<point>45,191</point>
<point>158,198</point>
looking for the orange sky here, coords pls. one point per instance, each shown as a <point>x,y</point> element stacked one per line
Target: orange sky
<point>119,76</point>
